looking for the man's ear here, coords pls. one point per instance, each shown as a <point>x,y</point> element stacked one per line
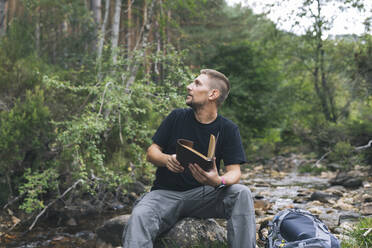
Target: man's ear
<point>214,94</point>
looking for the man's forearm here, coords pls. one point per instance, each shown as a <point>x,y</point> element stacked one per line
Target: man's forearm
<point>232,176</point>
<point>156,156</point>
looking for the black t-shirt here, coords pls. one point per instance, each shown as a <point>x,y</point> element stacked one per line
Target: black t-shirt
<point>182,124</point>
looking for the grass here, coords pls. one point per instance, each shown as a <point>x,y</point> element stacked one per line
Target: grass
<point>360,236</point>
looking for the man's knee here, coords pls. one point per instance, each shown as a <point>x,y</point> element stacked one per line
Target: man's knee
<point>142,214</point>
<point>242,191</point>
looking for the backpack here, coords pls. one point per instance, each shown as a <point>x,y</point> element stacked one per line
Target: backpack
<point>297,228</point>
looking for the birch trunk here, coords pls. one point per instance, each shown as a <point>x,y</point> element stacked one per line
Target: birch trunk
<point>97,17</point>
<point>3,21</point>
<point>101,37</point>
<point>115,31</point>
<point>129,37</point>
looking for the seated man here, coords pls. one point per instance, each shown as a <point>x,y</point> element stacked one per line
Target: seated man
<point>180,192</point>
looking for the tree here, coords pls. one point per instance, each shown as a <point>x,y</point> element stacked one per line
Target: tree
<point>324,86</point>
<point>255,81</point>
<point>97,16</point>
<point>3,14</point>
<point>115,31</point>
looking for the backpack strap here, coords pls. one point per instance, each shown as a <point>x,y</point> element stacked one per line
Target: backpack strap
<point>277,222</point>
<point>266,224</point>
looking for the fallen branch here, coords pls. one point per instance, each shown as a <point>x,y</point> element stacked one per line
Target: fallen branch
<point>363,147</point>
<point>51,203</point>
<point>355,148</point>
<point>321,158</point>
<point>13,200</point>
<point>367,232</point>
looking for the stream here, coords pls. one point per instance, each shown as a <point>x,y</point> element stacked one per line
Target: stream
<point>276,185</point>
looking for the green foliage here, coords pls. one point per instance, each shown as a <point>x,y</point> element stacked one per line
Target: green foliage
<point>312,169</point>
<point>108,139</point>
<point>342,152</point>
<point>359,236</point>
<point>24,130</point>
<point>98,130</point>
<point>255,80</point>
<point>36,185</point>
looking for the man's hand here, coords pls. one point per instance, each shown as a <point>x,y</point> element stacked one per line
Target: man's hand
<point>206,177</point>
<point>173,164</point>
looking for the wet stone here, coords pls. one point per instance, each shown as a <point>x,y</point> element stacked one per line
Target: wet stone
<point>348,217</point>
<point>366,208</point>
<point>351,179</point>
<point>321,196</point>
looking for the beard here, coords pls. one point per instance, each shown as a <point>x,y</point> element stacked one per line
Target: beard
<point>195,105</point>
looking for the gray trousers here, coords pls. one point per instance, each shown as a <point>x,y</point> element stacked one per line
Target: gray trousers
<point>159,210</point>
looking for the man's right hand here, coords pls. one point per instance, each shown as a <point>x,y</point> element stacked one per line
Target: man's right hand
<point>173,164</point>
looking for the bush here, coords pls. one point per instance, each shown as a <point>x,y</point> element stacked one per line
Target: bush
<point>108,139</point>
<point>25,132</point>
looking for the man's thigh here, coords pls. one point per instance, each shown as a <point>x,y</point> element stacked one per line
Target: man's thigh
<point>212,203</point>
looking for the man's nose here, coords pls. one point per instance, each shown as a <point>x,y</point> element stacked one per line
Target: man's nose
<point>189,87</point>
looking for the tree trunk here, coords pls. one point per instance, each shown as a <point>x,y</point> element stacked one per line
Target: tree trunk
<point>129,36</point>
<point>101,40</point>
<point>3,15</point>
<point>320,83</point>
<point>37,31</point>
<point>327,90</point>
<point>168,27</point>
<point>97,17</point>
<point>115,31</point>
<point>143,44</point>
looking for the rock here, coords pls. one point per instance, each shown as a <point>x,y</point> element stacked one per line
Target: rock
<point>330,219</point>
<point>351,179</point>
<point>136,187</point>
<point>71,222</point>
<point>347,226</point>
<point>112,230</point>
<point>337,190</point>
<point>259,212</point>
<point>367,198</point>
<point>321,196</point>
<point>191,232</point>
<point>259,197</point>
<point>315,211</point>
<point>86,235</point>
<point>367,185</point>
<point>341,204</point>
<point>366,208</point>
<point>314,203</point>
<point>262,204</point>
<point>348,217</point>
<point>187,232</point>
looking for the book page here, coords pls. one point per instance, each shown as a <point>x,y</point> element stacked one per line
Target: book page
<point>212,146</point>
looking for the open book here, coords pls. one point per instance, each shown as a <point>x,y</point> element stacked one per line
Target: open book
<point>186,155</point>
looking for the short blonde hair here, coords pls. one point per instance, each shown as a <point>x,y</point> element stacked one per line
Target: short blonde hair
<point>218,81</point>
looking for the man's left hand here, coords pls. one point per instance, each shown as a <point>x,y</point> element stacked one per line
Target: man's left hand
<point>206,177</point>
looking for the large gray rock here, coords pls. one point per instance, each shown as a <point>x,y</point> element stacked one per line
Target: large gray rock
<point>187,232</point>
<point>350,179</point>
<point>321,196</point>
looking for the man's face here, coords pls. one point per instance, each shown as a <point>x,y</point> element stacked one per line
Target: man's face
<point>198,92</point>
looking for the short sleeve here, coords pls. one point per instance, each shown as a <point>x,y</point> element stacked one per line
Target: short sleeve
<point>232,150</point>
<point>163,133</point>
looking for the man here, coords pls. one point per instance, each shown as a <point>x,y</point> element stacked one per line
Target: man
<point>192,192</point>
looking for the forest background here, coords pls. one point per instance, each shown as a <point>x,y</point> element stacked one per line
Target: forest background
<point>85,83</point>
